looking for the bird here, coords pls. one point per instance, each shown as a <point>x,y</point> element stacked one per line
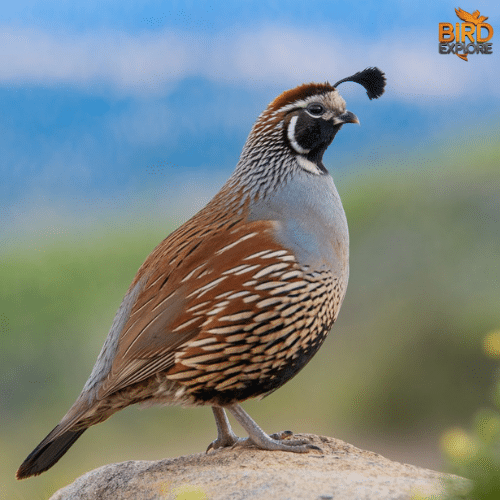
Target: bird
<point>237,300</point>
<point>474,18</point>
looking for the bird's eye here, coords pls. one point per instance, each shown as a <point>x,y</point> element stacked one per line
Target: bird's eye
<point>316,109</point>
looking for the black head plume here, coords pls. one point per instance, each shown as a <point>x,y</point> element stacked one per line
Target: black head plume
<point>372,79</point>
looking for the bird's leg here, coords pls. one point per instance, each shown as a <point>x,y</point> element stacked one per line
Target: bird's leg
<point>260,439</point>
<point>225,435</point>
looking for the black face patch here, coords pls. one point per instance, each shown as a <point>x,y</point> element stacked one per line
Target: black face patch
<point>310,133</point>
<point>307,131</point>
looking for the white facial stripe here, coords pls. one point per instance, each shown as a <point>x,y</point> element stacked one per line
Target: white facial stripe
<point>308,165</point>
<point>331,100</point>
<point>291,137</point>
<point>303,103</point>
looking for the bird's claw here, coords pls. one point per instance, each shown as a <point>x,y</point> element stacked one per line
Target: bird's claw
<point>281,435</point>
<point>225,442</point>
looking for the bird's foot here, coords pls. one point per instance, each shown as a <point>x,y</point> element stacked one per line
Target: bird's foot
<point>281,435</point>
<point>235,441</point>
<point>278,441</point>
<point>225,441</point>
<point>278,436</point>
<point>225,435</point>
<point>257,438</point>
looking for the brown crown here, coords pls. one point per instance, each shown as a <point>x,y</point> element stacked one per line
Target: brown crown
<point>298,93</point>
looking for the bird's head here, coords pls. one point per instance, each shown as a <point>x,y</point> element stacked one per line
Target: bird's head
<point>297,127</point>
<point>311,115</point>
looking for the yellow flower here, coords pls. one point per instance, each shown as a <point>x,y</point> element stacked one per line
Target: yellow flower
<point>491,344</point>
<point>189,492</point>
<point>458,445</point>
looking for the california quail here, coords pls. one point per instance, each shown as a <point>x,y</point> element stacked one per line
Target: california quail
<point>237,300</point>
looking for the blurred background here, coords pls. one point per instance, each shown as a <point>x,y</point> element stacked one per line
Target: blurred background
<point>119,120</point>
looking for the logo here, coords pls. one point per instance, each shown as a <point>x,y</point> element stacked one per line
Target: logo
<point>470,37</point>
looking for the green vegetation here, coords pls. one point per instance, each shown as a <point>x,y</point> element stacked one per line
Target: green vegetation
<point>403,364</point>
<point>476,454</point>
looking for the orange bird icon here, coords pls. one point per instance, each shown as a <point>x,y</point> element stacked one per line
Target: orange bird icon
<point>474,18</point>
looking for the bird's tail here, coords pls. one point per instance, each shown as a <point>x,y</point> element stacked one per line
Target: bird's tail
<point>48,452</point>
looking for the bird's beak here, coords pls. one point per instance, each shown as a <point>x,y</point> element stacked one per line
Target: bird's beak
<point>346,117</point>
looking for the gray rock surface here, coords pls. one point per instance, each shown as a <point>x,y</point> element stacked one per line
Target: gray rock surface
<point>340,472</point>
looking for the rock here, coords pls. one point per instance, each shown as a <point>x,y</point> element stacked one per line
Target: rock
<point>339,472</point>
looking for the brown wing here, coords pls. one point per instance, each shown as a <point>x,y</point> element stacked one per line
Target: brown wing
<point>180,282</point>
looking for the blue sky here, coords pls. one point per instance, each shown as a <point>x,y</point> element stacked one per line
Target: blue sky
<point>102,101</point>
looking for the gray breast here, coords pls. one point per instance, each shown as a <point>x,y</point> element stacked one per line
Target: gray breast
<point>311,222</point>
